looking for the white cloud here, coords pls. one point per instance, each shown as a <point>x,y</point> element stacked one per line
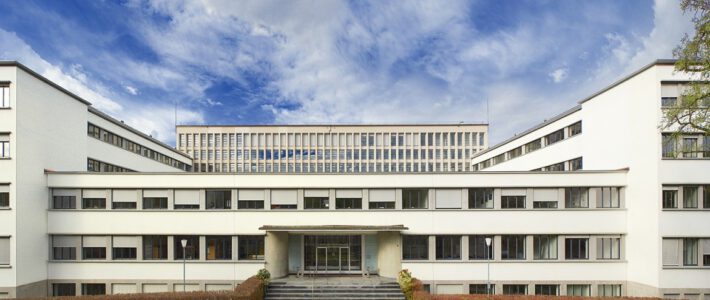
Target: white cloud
<point>131,90</point>
<point>558,75</point>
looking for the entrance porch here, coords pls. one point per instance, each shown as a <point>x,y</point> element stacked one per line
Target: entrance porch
<point>333,250</point>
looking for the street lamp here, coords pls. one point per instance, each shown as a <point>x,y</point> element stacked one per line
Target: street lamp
<point>488,259</point>
<point>184,244</point>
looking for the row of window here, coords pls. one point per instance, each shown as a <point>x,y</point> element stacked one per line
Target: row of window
<point>93,165</point>
<point>582,290</point>
<point>570,165</point>
<point>4,96</point>
<point>685,146</point>
<point>691,196</point>
<point>686,252</point>
<point>512,247</point>
<point>70,289</point>
<point>155,247</point>
<point>357,154</point>
<point>478,198</point>
<point>231,140</point>
<point>321,167</point>
<point>119,141</point>
<point>534,145</point>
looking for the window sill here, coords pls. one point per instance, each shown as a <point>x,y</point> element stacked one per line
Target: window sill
<point>5,108</point>
<point>5,266</point>
<point>5,208</point>
<point>5,158</point>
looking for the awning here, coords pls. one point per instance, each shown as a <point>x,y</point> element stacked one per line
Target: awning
<point>334,228</point>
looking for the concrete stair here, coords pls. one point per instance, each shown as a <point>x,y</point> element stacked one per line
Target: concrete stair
<point>302,291</point>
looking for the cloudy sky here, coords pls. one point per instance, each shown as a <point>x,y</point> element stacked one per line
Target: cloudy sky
<point>327,61</point>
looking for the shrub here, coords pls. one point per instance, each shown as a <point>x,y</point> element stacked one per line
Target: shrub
<point>407,283</point>
<point>264,275</point>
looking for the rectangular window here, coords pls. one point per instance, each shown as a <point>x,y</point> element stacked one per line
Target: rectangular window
<point>315,202</point>
<point>513,247</point>
<point>478,249</point>
<point>670,199</point>
<point>576,197</point>
<point>579,290</point>
<point>415,199</point>
<point>545,247</point>
<point>63,253</point>
<point>480,198</point>
<point>219,247</point>
<point>348,203</point>
<point>123,205</point>
<point>481,289</point>
<point>154,203</point>
<point>93,253</point>
<point>608,197</point>
<point>250,204</point>
<point>547,289</point>
<point>4,199</point>
<point>554,137</point>
<point>4,146</point>
<point>515,289</point>
<point>415,247</point>
<point>4,96</point>
<point>575,164</point>
<point>690,252</point>
<point>88,289</point>
<point>124,253</point>
<point>155,247</point>
<point>192,249</point>
<point>690,197</point>
<point>670,252</point>
<point>545,204</point>
<point>577,248</point>
<point>382,205</point>
<point>608,248</point>
<point>668,145</point>
<point>690,147</point>
<point>93,203</point>
<point>532,146</point>
<point>706,197</point>
<point>511,202</point>
<point>5,251</point>
<point>448,247</point>
<point>221,199</point>
<point>668,101</point>
<point>251,247</point>
<point>63,289</point>
<point>609,290</point>
<point>64,202</point>
<point>575,128</point>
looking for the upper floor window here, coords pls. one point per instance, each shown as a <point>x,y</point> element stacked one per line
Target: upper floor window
<point>480,198</point>
<point>4,196</point>
<point>4,145</point>
<point>251,247</point>
<point>554,137</point>
<point>575,164</point>
<point>670,199</point>
<point>221,200</point>
<point>577,248</point>
<point>415,247</point>
<point>532,146</point>
<point>448,247</point>
<point>4,96</point>
<point>576,197</point>
<point>575,129</point>
<point>668,101</point>
<point>512,247</point>
<point>415,198</point>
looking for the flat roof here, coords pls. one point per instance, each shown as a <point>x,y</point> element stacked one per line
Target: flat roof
<point>477,173</point>
<point>334,228</point>
<point>337,125</point>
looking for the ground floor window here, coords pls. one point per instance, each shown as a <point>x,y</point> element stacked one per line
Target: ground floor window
<point>63,289</point>
<point>415,247</point>
<point>609,290</point>
<point>251,247</point>
<point>581,290</point>
<point>448,247</point>
<point>93,289</point>
<point>192,249</point>
<point>515,289</point>
<point>219,247</point>
<point>481,289</point>
<point>547,289</point>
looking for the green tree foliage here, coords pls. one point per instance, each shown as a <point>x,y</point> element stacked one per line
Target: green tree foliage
<point>690,113</point>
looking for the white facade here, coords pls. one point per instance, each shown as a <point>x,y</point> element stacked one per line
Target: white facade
<point>627,221</point>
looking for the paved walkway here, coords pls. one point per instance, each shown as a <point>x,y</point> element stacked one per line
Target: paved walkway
<point>333,280</point>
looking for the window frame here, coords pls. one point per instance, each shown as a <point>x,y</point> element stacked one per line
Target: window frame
<point>246,244</point>
<point>575,247</point>
<point>448,247</point>
<point>222,247</point>
<point>422,197</point>
<point>413,246</point>
<point>519,244</point>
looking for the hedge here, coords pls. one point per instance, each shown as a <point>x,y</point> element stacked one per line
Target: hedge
<point>423,295</point>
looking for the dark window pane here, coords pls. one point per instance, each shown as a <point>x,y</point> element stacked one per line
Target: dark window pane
<point>478,249</point>
<point>124,253</point>
<point>219,247</point>
<point>415,247</point>
<point>251,247</point>
<point>155,247</point>
<point>155,203</point>
<point>448,247</point>
<point>93,253</point>
<point>63,289</point>
<point>192,249</point>
<point>93,203</point>
<point>220,199</point>
<point>93,289</point>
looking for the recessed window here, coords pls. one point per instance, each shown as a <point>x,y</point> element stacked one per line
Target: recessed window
<point>348,203</point>
<point>608,197</point>
<point>124,253</point>
<point>64,253</point>
<point>690,197</point>
<point>5,251</point>
<point>221,200</point>
<point>608,248</point>
<point>155,247</point>
<point>575,164</point>
<point>250,204</point>
<point>547,289</point>
<point>93,289</point>
<point>415,247</point>
<point>668,145</point>
<point>576,197</point>
<point>448,247</point>
<point>670,199</point>
<point>155,203</point>
<point>579,290</point>
<point>481,289</point>
<point>93,203</point>
<point>192,249</point>
<point>532,146</point>
<point>93,253</point>
<point>4,146</point>
<point>251,247</point>
<point>512,202</point>
<point>64,202</point>
<point>690,252</point>
<point>577,248</point>
<point>381,205</point>
<point>415,199</point>
<point>515,289</point>
<point>545,204</point>
<point>480,198</point>
<point>219,247</point>
<point>554,137</point>
<point>513,247</point>
<point>63,289</point>
<point>4,199</point>
<point>4,96</point>
<point>668,101</point>
<point>315,202</point>
<point>609,290</point>
<point>478,249</point>
<point>124,205</point>
<point>545,247</point>
<point>575,128</point>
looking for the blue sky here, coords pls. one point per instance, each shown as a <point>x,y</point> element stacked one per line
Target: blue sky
<point>263,62</point>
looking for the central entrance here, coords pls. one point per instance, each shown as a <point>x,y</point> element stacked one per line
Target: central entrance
<point>332,254</point>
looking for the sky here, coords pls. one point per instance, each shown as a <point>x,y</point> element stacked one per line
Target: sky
<point>511,64</point>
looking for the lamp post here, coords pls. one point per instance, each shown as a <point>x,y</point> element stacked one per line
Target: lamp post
<point>184,244</point>
<point>488,259</point>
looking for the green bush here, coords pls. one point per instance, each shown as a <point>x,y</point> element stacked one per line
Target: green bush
<point>264,275</point>
<point>407,283</point>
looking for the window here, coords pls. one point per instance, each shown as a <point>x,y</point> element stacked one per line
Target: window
<point>223,200</point>
<point>124,253</point>
<point>512,247</point>
<point>480,198</point>
<point>63,289</point>
<point>448,247</point>
<point>515,289</point>
<point>93,203</point>
<point>544,204</point>
<point>515,152</point>
<point>668,101</point>
<point>575,128</point>
<point>575,164</point>
<point>706,196</point>
<point>192,249</point>
<point>415,247</point>
<point>545,247</point>
<point>251,247</point>
<point>690,252</point>
<point>668,145</point>
<point>577,248</point>
<point>93,289</point>
<point>532,146</point>
<point>481,289</point>
<point>690,197</point>
<point>554,137</point>
<point>4,96</point>
<point>154,203</point>
<point>510,202</point>
<point>579,290</point>
<point>608,197</point>
<point>477,248</point>
<point>124,205</point>
<point>547,289</point>
<point>608,248</point>
<point>690,147</point>
<point>64,202</point>
<point>219,247</point>
<point>315,202</point>
<point>576,197</point>
<point>250,204</point>
<point>155,247</point>
<point>348,203</point>
<point>5,251</point>
<point>382,205</point>
<point>93,253</point>
<point>4,199</point>
<point>64,253</point>
<point>4,146</point>
<point>670,199</point>
<point>415,199</point>
<point>609,290</point>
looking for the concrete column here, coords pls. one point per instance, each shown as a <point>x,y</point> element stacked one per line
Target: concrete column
<point>464,199</point>
<point>529,198</point>
<point>267,199</point>
<point>171,248</point>
<point>203,248</point>
<point>398,199</point>
<point>464,247</point>
<point>497,248</point>
<point>432,248</point>
<point>331,199</point>
<point>389,257</point>
<point>276,253</point>
<point>299,199</point>
<point>365,199</point>
<point>496,198</point>
<point>202,199</point>
<point>529,247</point>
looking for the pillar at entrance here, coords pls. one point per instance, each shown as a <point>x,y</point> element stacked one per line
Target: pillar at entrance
<point>389,253</point>
<point>276,253</point>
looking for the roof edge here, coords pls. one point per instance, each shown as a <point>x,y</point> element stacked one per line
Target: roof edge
<point>333,125</point>
<point>14,63</point>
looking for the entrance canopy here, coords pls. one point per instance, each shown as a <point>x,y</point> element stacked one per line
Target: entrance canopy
<point>333,228</point>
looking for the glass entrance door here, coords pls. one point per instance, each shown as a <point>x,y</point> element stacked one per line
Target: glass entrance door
<point>332,254</point>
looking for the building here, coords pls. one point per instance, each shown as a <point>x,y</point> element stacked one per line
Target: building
<point>332,148</point>
<point>629,220</point>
